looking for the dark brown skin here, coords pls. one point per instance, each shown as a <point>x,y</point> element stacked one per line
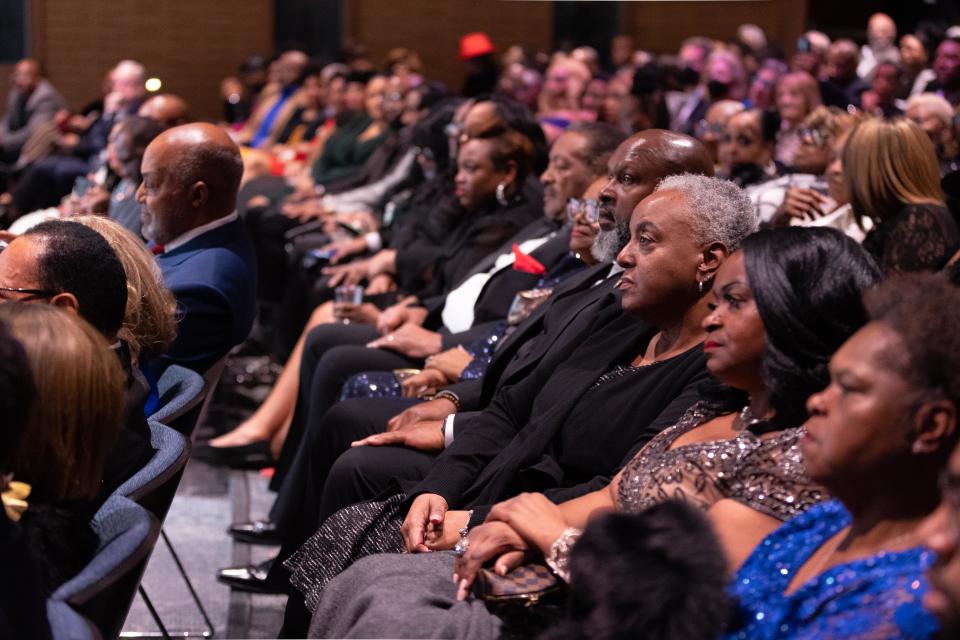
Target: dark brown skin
<point>191,174</point>
<point>641,162</point>
<point>167,109</point>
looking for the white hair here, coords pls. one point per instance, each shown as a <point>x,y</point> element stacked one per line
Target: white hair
<point>722,211</point>
<point>940,107</point>
<point>129,69</point>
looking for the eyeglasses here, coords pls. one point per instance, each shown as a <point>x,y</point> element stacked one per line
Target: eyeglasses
<point>590,209</point>
<point>30,293</point>
<point>814,137</point>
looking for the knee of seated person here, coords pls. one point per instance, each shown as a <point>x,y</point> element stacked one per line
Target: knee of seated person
<point>337,425</point>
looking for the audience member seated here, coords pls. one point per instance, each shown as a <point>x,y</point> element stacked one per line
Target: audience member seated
<point>31,102</point>
<point>763,90</point>
<point>488,290</point>
<point>22,610</point>
<point>710,130</point>
<point>72,428</point>
<point>357,135</point>
<point>880,99</point>
<point>69,265</point>
<point>934,115</point>
<point>797,95</point>
<point>939,533</point>
<point>881,45</point>
<point>757,345</point>
<point>946,70</point>
<point>855,565</point>
<point>843,86</point>
<point>529,438</point>
<point>914,62</point>
<point>108,192</point>
<point>659,574</point>
<point>80,152</point>
<point>747,147</point>
<point>635,168</point>
<point>804,197</point>
<point>277,101</point>
<point>188,196</point>
<point>891,173</point>
<point>166,108</point>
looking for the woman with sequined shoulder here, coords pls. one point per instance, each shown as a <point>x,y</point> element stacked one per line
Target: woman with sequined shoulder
<point>878,438</point>
<point>780,307</point>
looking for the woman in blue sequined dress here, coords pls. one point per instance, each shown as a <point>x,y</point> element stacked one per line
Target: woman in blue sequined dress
<point>878,438</point>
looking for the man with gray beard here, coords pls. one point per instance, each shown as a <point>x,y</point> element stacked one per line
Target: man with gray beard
<point>581,304</point>
<point>543,340</point>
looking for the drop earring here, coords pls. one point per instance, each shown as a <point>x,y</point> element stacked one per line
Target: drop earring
<point>502,194</point>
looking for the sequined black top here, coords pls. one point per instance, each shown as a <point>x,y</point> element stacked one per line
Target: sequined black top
<point>765,473</point>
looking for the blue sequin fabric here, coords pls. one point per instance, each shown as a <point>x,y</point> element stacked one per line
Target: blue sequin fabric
<point>870,598</point>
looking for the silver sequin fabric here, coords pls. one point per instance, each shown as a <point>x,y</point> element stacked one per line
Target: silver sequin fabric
<point>765,473</point>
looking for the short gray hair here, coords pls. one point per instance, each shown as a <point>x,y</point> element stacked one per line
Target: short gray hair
<point>722,211</point>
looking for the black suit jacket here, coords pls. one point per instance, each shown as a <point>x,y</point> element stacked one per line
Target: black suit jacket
<point>493,303</point>
<point>512,446</point>
<point>570,312</point>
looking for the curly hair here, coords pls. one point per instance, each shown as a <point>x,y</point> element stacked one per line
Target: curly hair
<point>655,575</point>
<point>807,283</point>
<point>922,308</point>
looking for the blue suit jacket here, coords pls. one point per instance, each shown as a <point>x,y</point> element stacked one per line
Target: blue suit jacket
<point>214,278</point>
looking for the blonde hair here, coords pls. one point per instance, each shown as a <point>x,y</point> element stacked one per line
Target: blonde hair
<point>833,121</point>
<point>149,321</point>
<point>887,164</point>
<point>940,107</point>
<point>78,414</point>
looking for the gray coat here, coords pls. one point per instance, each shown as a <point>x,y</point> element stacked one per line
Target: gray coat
<point>42,104</point>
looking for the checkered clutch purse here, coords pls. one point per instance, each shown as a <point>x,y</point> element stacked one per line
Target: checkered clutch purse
<point>526,585</point>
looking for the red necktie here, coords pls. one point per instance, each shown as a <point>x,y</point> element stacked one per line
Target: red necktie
<point>157,249</point>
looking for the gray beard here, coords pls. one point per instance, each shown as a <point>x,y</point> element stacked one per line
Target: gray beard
<point>608,244</point>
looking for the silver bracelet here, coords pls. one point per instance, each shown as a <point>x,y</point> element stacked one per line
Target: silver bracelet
<point>461,547</point>
<point>559,557</point>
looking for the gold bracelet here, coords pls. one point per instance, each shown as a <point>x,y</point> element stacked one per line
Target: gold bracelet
<point>451,396</point>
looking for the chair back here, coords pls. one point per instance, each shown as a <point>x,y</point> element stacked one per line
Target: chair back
<point>180,390</point>
<point>103,591</point>
<point>67,624</point>
<point>154,486</point>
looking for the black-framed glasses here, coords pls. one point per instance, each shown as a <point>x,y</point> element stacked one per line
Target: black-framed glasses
<point>589,207</point>
<point>35,293</point>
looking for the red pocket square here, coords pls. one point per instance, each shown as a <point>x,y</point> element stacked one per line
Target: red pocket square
<point>525,264</point>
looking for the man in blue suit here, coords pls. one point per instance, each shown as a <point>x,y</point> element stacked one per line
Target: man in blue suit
<point>191,175</point>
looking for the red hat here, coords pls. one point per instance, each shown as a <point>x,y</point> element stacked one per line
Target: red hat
<point>475,44</point>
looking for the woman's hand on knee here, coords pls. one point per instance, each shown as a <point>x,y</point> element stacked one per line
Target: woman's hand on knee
<point>486,542</point>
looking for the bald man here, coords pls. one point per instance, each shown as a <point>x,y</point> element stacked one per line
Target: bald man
<point>191,174</point>
<point>31,102</point>
<point>328,475</point>
<point>166,108</point>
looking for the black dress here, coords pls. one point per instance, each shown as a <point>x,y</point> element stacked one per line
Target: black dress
<point>563,432</point>
<point>918,237</point>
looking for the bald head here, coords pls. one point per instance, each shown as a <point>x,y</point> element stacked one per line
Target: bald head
<point>664,153</point>
<point>636,167</point>
<point>881,30</point>
<point>191,175</point>
<point>167,109</point>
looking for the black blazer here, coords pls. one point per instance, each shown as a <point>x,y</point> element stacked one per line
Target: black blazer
<point>572,309</point>
<point>493,303</point>
<point>512,445</point>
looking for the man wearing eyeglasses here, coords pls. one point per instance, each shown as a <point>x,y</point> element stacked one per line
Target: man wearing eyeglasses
<point>68,265</point>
